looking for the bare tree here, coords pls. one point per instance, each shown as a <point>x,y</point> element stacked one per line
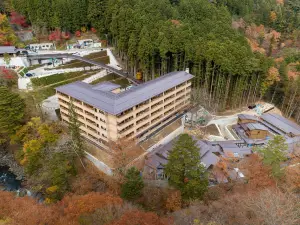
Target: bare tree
<point>273,207</point>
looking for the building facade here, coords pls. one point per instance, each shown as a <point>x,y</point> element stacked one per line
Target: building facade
<point>107,114</point>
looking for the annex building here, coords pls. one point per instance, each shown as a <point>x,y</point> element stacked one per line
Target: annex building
<point>106,113</point>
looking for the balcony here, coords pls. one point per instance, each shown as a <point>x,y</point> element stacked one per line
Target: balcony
<point>157,118</point>
<point>63,102</point>
<point>141,128</point>
<point>125,123</point>
<point>126,129</point>
<point>169,111</point>
<point>168,106</point>
<point>143,112</point>
<point>92,123</point>
<point>158,111</point>
<point>130,135</point>
<point>156,98</point>
<point>169,99</point>
<point>142,108</point>
<point>169,91</point>
<point>63,96</point>
<point>126,132</point>
<point>91,129</point>
<point>145,103</point>
<point>158,104</point>
<point>143,119</point>
<point>182,96</point>
<point>180,86</point>
<point>124,115</point>
<point>180,92</point>
<point>179,105</point>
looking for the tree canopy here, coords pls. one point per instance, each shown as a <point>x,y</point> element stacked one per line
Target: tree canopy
<point>12,110</point>
<point>185,170</point>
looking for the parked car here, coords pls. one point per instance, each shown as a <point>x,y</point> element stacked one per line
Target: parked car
<point>30,74</point>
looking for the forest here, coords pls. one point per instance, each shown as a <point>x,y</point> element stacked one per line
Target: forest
<point>161,36</point>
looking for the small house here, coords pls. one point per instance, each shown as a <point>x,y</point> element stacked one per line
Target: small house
<point>246,118</point>
<point>41,46</point>
<point>255,130</point>
<point>85,43</point>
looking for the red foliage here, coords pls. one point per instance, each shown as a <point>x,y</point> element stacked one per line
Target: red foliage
<point>6,73</point>
<point>77,33</point>
<point>137,217</point>
<point>93,30</point>
<point>16,18</point>
<point>55,35</point>
<point>65,35</point>
<point>7,43</point>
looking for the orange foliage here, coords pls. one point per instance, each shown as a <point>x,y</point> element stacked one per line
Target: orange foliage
<point>273,16</point>
<point>136,217</point>
<point>74,206</point>
<point>173,201</point>
<point>273,75</point>
<point>280,2</point>
<point>279,60</point>
<point>293,74</point>
<point>258,174</point>
<point>26,211</point>
<point>255,47</point>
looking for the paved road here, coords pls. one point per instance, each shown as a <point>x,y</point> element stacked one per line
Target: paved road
<point>109,68</point>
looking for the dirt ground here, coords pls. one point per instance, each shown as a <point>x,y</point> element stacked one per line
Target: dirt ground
<point>245,110</point>
<point>201,132</point>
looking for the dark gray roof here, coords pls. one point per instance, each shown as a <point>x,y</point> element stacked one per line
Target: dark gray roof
<point>247,117</point>
<point>254,126</point>
<point>117,103</point>
<point>281,123</point>
<point>106,86</point>
<point>8,49</point>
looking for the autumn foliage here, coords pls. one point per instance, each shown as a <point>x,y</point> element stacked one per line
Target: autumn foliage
<point>58,35</point>
<point>16,18</point>
<point>136,217</point>
<point>259,175</point>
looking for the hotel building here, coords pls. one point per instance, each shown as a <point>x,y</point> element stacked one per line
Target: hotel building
<point>107,113</point>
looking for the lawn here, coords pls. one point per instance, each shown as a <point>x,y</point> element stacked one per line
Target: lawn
<point>109,77</point>
<point>122,81</point>
<point>44,81</point>
<point>46,92</point>
<point>97,56</point>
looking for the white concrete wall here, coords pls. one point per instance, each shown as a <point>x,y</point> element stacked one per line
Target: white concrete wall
<point>24,83</point>
<point>15,61</point>
<point>101,74</point>
<point>168,138</point>
<point>100,165</point>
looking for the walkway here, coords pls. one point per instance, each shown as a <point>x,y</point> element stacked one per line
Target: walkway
<point>109,68</point>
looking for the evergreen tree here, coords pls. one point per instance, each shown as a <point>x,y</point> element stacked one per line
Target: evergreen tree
<point>77,142</point>
<point>12,110</point>
<point>274,153</point>
<point>133,185</point>
<point>185,170</point>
